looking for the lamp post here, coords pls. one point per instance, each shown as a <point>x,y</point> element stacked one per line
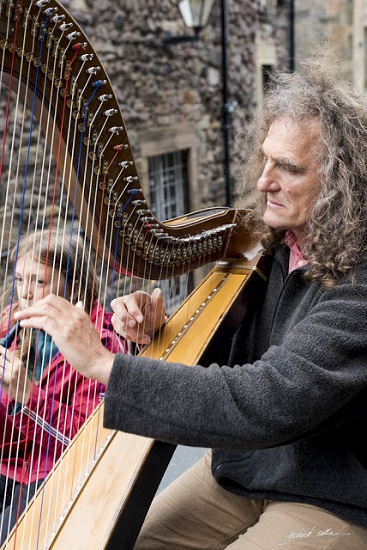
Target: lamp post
<point>226,108</point>
<point>195,14</point>
<point>292,55</point>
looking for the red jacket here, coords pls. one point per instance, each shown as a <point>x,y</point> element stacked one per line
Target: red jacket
<point>34,438</point>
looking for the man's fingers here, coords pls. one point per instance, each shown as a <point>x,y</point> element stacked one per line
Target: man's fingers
<point>55,315</point>
<point>158,313</point>
<point>157,301</point>
<point>157,294</point>
<point>137,316</point>
<point>129,308</point>
<point>50,306</point>
<point>134,333</point>
<point>35,321</point>
<point>125,309</point>
<point>119,325</point>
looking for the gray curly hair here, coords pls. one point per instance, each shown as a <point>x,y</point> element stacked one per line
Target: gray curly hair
<point>336,230</point>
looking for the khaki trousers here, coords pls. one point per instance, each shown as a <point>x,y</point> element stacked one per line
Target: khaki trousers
<point>195,513</point>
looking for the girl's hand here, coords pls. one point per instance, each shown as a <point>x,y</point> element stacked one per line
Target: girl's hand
<point>13,375</point>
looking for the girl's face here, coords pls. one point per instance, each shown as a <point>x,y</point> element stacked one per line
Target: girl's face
<point>35,281</point>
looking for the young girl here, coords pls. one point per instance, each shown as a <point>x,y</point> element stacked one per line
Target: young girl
<point>44,401</point>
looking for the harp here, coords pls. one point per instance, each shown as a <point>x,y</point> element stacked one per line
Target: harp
<point>67,167</point>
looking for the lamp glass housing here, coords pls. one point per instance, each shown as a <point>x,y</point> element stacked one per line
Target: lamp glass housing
<point>195,13</point>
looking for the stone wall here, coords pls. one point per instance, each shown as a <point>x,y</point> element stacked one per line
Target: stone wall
<point>170,94</point>
<point>161,87</point>
<point>328,22</point>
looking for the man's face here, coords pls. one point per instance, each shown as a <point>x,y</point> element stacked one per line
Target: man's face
<point>290,176</point>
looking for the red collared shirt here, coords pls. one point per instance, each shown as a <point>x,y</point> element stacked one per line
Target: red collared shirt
<point>296,258</point>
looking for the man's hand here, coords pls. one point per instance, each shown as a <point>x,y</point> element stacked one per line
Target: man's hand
<point>13,376</point>
<point>139,315</point>
<point>73,333</point>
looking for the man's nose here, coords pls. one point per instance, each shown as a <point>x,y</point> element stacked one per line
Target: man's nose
<point>268,180</point>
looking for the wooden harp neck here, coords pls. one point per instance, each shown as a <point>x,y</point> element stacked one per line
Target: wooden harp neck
<point>50,64</point>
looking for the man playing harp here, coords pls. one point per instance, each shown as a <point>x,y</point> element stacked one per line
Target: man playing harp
<point>286,415</point>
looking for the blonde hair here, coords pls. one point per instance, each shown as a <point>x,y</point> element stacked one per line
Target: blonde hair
<point>66,254</point>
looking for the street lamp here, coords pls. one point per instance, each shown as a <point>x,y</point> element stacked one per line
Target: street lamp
<point>195,14</point>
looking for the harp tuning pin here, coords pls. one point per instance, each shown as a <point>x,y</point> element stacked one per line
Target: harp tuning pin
<point>133,191</point>
<point>110,112</point>
<point>65,26</point>
<point>73,35</point>
<point>130,179</point>
<point>50,11</point>
<point>116,129</point>
<point>93,70</point>
<point>105,97</point>
<point>87,56</point>
<point>99,83</point>
<point>42,3</point>
<point>121,146</point>
<point>58,18</point>
<point>139,202</point>
<point>125,164</point>
<point>80,46</point>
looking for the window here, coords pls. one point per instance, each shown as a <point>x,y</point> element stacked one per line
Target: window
<point>168,185</point>
<point>169,198</point>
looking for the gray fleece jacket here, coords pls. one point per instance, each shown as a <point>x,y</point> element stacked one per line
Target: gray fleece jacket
<point>287,417</point>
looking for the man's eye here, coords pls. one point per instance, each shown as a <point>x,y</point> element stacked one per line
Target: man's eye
<point>291,169</point>
<point>18,279</point>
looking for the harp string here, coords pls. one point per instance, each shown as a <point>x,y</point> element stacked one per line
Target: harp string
<point>53,200</point>
<point>2,160</point>
<point>8,102</point>
<point>60,224</point>
<point>10,86</point>
<point>89,177</point>
<point>22,201</point>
